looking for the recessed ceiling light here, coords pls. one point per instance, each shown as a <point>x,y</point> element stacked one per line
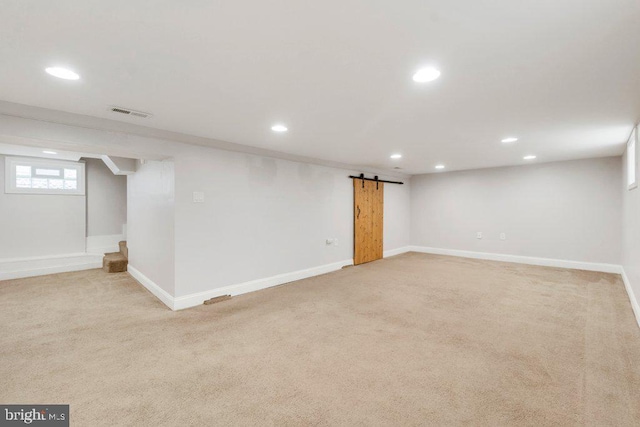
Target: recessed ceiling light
<point>279,128</point>
<point>529,157</point>
<point>62,73</point>
<point>427,74</point>
<point>49,152</point>
<point>510,139</point>
<point>396,156</point>
<point>439,166</point>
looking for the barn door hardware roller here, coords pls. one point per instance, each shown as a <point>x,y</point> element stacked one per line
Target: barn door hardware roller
<point>375,178</point>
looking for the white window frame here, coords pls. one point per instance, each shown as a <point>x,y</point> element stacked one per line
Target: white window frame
<point>632,160</point>
<point>10,175</point>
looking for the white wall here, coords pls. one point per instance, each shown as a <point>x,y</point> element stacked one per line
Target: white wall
<point>397,215</point>
<point>631,231</point>
<point>34,225</point>
<point>106,199</point>
<point>564,210</point>
<point>264,217</point>
<point>201,245</point>
<point>150,214</point>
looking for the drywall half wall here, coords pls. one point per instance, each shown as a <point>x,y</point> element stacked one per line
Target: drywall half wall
<point>106,207</point>
<point>631,237</point>
<point>263,217</point>
<point>563,210</point>
<point>37,225</point>
<point>150,229</point>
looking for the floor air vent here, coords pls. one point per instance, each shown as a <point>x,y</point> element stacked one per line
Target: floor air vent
<point>217,299</point>
<point>129,112</point>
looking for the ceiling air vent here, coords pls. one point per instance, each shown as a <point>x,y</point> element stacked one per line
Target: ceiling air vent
<point>130,112</point>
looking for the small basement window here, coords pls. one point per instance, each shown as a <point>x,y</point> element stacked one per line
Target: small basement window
<point>632,179</point>
<point>43,176</point>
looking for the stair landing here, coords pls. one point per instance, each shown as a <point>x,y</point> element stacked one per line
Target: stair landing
<point>116,262</point>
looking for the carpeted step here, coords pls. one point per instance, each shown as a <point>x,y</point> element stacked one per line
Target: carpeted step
<point>114,262</point>
<point>123,248</point>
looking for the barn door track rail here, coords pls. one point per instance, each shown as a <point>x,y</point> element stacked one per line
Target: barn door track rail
<point>375,179</point>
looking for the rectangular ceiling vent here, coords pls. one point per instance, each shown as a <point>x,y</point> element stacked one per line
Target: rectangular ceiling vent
<point>130,112</point>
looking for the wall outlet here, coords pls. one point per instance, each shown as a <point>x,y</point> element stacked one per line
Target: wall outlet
<point>335,242</point>
<point>329,241</point>
<point>503,236</point>
<point>198,197</point>
<point>479,235</point>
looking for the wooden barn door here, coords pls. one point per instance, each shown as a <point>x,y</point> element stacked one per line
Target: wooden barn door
<point>368,208</point>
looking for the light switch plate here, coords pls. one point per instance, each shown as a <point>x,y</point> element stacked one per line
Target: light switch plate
<point>198,197</point>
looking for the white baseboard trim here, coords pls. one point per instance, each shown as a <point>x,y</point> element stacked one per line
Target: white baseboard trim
<point>193,300</point>
<point>151,286</point>
<point>632,298</point>
<point>41,257</point>
<point>547,262</point>
<point>17,268</point>
<point>103,244</point>
<point>397,251</point>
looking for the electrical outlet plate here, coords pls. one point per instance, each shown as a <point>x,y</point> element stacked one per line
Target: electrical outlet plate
<point>503,236</point>
<point>479,235</point>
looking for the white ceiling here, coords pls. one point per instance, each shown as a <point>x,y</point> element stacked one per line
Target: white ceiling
<point>562,75</point>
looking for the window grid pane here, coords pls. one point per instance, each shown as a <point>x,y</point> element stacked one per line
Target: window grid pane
<point>23,182</point>
<point>39,176</point>
<point>56,184</point>
<point>47,172</point>
<point>23,170</point>
<point>40,183</point>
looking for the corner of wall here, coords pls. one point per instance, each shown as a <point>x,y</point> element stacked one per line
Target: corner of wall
<point>635,306</point>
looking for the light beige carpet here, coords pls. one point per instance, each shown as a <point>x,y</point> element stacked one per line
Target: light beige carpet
<point>410,340</point>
